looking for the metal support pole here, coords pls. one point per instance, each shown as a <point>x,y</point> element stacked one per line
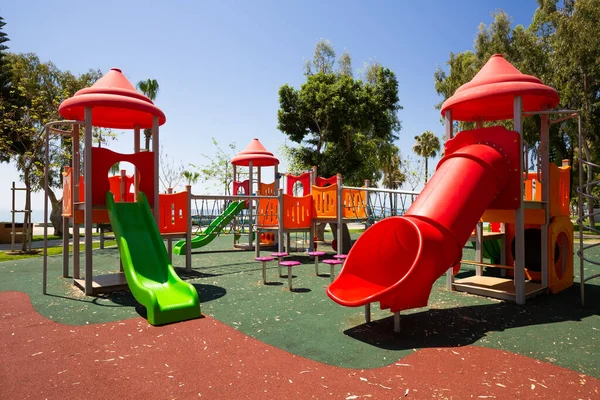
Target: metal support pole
<point>479,248</point>
<point>545,156</point>
<point>136,149</point>
<point>65,244</point>
<point>397,321</point>
<point>12,236</point>
<point>479,229</point>
<point>251,204</point>
<point>188,232</point>
<point>340,239</point>
<point>259,180</point>
<point>76,173</point>
<point>520,212</point>
<point>368,313</point>
<point>155,150</point>
<point>369,209</point>
<point>280,221</point>
<point>580,214</point>
<point>89,275</point>
<point>448,132</point>
<point>46,164</point>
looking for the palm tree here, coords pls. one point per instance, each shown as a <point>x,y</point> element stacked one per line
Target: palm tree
<point>150,88</point>
<point>427,145</point>
<point>393,177</point>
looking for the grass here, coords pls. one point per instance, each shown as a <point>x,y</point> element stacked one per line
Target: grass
<point>39,238</point>
<point>52,251</point>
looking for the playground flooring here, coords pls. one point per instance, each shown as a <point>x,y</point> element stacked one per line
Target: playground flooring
<point>261,341</point>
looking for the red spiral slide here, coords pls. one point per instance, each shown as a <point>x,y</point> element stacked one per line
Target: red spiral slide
<point>396,261</point>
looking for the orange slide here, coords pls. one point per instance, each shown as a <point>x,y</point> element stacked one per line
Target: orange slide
<point>396,261</point>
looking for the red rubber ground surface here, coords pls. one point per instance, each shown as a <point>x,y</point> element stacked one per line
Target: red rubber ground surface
<point>205,358</point>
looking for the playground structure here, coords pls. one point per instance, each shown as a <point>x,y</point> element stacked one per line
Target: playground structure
<point>132,205</point>
<point>305,200</point>
<point>482,175</point>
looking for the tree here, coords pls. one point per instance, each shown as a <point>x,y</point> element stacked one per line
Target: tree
<point>171,173</point>
<point>191,177</point>
<point>219,167</point>
<point>413,172</point>
<point>4,70</point>
<point>562,48</point>
<point>338,121</point>
<point>150,88</point>
<point>393,177</point>
<point>41,87</point>
<point>345,64</point>
<point>426,145</point>
<point>11,100</point>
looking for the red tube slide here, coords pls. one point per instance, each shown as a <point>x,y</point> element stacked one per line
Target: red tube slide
<point>396,261</point>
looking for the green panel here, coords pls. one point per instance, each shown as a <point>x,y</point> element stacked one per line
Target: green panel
<point>213,229</point>
<point>150,276</point>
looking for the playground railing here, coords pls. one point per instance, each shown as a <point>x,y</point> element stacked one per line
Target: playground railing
<point>325,201</point>
<point>297,212</point>
<point>354,204</point>
<point>374,204</point>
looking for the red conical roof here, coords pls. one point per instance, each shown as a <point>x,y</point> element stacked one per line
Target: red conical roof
<point>490,94</point>
<point>256,153</point>
<point>115,102</point>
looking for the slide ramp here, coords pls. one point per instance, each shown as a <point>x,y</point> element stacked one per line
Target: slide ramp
<point>150,276</point>
<point>396,261</point>
<point>213,230</point>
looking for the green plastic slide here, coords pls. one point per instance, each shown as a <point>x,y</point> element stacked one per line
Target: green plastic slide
<point>213,229</point>
<point>150,276</point>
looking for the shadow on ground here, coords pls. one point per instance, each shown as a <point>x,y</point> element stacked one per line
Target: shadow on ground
<point>461,326</point>
<point>124,298</point>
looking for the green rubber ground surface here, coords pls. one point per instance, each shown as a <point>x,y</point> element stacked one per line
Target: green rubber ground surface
<point>555,329</point>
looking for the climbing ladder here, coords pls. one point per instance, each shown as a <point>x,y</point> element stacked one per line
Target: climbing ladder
<point>26,220</point>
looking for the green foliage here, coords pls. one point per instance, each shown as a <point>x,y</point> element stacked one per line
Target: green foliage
<point>561,46</point>
<point>426,145</point>
<point>340,122</point>
<point>390,161</point>
<point>413,171</point>
<point>37,88</point>
<point>219,168</point>
<point>150,88</point>
<point>4,70</point>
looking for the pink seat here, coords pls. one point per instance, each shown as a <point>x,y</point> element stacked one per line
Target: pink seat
<point>332,264</point>
<point>290,264</point>
<point>340,256</point>
<point>264,261</point>
<point>279,256</point>
<point>316,255</point>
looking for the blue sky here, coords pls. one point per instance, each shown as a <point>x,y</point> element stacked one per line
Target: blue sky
<point>221,63</point>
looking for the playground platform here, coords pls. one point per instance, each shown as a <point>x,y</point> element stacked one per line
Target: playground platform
<point>262,341</point>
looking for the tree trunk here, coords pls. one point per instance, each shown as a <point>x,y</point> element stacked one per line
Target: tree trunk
<point>347,240</point>
<point>426,169</point>
<point>147,136</point>
<point>56,213</point>
<point>320,232</point>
